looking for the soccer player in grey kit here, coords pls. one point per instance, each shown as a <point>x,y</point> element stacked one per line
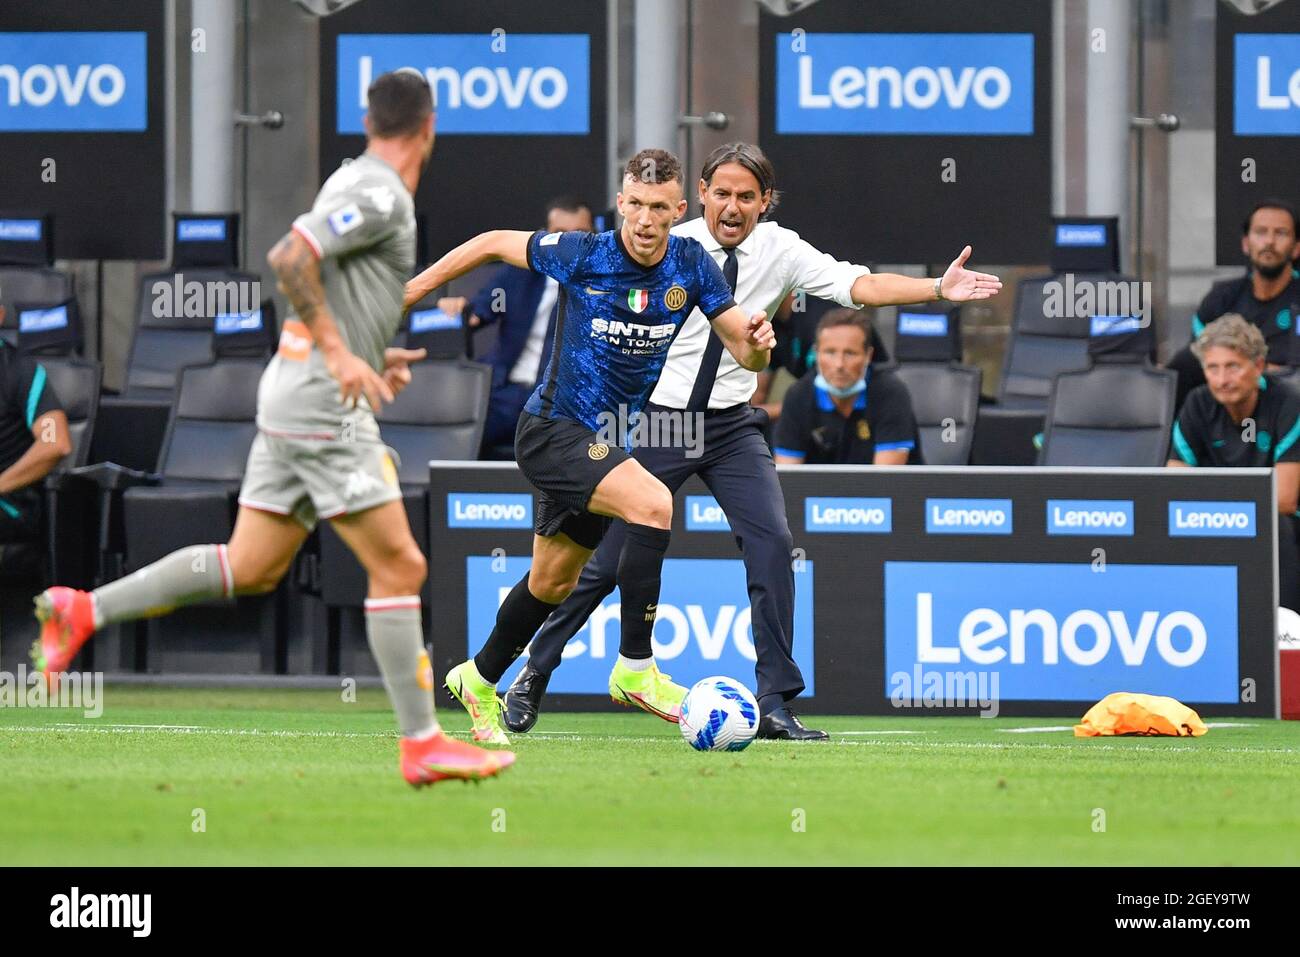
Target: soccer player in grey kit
<point>318,452</point>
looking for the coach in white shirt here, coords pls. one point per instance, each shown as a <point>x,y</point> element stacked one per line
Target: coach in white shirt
<point>764,263</point>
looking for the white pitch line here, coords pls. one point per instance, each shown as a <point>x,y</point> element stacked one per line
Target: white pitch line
<point>866,743</point>
<point>1070,727</point>
<point>881,732</point>
<point>166,727</point>
<point>1055,727</point>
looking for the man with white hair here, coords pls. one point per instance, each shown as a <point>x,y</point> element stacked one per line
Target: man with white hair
<point>1243,418</point>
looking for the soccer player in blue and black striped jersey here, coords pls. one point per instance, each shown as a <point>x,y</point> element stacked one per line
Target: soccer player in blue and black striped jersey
<point>624,295</point>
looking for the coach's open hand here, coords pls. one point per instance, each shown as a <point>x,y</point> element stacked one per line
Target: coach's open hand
<point>397,372</point>
<point>355,378</point>
<point>961,284</point>
<point>760,331</point>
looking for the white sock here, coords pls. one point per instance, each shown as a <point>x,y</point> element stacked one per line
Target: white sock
<point>636,664</point>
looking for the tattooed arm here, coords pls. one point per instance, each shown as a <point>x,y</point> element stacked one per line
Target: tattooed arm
<point>298,273</point>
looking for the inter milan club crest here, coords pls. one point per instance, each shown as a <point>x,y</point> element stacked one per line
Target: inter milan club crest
<point>638,299</point>
<point>675,298</point>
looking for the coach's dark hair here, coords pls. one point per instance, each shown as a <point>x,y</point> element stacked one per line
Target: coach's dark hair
<point>399,103</point>
<point>567,204</point>
<point>654,166</point>
<point>753,159</point>
<point>1272,203</point>
<point>846,317</point>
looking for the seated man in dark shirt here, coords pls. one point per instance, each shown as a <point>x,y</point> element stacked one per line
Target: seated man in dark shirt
<point>33,439</point>
<point>847,413</point>
<point>1267,296</point>
<point>1242,418</point>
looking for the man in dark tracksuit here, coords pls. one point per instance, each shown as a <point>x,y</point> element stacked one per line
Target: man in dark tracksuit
<point>763,263</point>
<point>33,440</point>
<point>1267,296</point>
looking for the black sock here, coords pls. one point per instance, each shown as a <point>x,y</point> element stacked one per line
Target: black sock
<point>639,570</point>
<point>521,614</point>
<point>770,702</point>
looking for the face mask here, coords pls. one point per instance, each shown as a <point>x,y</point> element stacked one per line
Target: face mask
<point>859,386</point>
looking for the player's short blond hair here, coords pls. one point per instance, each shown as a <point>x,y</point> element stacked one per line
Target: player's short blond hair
<point>1231,331</point>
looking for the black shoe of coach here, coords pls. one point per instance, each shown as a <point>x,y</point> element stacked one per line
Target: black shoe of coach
<point>784,725</point>
<point>524,699</point>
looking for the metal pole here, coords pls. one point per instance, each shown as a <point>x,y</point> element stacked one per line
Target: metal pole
<point>1109,75</point>
<point>612,174</point>
<point>212,106</point>
<point>658,71</point>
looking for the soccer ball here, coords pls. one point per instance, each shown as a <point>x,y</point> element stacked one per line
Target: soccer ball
<point>719,714</point>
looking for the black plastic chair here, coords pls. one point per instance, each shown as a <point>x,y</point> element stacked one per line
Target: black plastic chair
<point>945,401</point>
<point>1114,414</point>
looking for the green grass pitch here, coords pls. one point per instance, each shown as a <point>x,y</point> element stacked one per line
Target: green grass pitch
<point>302,777</point>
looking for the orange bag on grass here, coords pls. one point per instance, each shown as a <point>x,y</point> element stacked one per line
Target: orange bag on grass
<point>1125,712</point>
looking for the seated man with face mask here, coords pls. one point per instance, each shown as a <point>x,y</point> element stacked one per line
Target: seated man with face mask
<point>847,413</point>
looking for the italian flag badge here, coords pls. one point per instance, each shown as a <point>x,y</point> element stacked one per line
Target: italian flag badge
<point>637,299</point>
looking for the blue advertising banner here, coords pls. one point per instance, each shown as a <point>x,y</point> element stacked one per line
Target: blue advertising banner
<point>928,126</point>
<point>1086,592</point>
<point>508,84</point>
<point>83,127</point>
<point>703,627</point>
<point>1067,632</point>
<point>1266,84</point>
<point>918,83</point>
<point>1256,116</point>
<point>73,81</point>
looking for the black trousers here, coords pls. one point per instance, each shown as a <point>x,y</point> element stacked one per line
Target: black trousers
<point>736,464</point>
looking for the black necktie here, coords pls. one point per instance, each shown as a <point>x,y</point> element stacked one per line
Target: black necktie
<point>704,379</point>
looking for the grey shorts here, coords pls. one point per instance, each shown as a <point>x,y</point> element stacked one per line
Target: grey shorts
<point>312,479</point>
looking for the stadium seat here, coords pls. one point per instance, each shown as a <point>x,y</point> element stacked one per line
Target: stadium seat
<point>1114,414</point>
<point>202,465</point>
<point>1042,346</point>
<point>941,391</point>
<point>30,285</point>
<point>50,329</point>
<point>77,383</point>
<point>440,415</point>
<point>162,346</point>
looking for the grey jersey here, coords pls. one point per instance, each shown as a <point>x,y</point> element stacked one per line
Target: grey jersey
<point>362,228</point>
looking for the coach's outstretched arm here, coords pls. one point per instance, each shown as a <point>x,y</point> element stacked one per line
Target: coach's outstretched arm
<point>508,245</point>
<point>957,284</point>
<point>749,339</point>
<point>297,271</point>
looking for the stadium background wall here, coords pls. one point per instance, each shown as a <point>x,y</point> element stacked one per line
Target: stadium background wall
<point>1251,167</point>
<point>920,216</point>
<point>108,191</point>
<point>479,165</point>
<point>849,574</point>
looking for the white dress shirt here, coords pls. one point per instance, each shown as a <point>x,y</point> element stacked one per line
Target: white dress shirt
<point>771,263</point>
<point>525,368</point>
